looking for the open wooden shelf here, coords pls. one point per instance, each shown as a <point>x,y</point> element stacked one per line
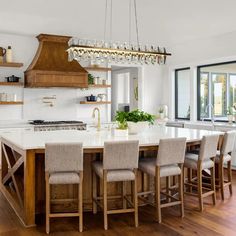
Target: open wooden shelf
<point>11,64</point>
<point>95,68</point>
<point>99,86</point>
<point>11,84</point>
<point>104,102</point>
<point>11,103</point>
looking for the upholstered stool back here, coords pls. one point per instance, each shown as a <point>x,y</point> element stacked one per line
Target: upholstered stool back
<point>171,151</point>
<point>228,143</point>
<point>120,155</point>
<point>208,147</point>
<point>63,157</point>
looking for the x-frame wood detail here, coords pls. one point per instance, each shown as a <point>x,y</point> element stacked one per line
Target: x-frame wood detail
<point>18,181</point>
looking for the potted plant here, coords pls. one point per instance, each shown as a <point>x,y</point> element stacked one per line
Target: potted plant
<point>136,121</point>
<point>161,113</point>
<point>90,79</point>
<point>230,115</point>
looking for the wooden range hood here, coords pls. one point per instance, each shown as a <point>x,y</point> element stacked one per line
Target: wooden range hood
<point>51,68</point>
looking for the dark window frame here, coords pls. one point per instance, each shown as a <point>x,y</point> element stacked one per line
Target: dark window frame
<point>226,92</point>
<point>176,93</point>
<point>209,80</point>
<point>199,89</point>
<point>229,81</point>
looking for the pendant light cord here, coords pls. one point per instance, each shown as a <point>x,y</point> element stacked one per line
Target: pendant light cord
<point>111,18</point>
<point>130,3</point>
<point>136,22</point>
<point>105,21</point>
<point>130,23</point>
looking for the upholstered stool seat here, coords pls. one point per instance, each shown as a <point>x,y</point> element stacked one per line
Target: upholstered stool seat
<point>226,157</point>
<point>120,164</point>
<point>64,178</point>
<point>202,161</point>
<point>169,162</point>
<point>223,158</point>
<point>191,161</point>
<point>148,165</point>
<point>113,175</point>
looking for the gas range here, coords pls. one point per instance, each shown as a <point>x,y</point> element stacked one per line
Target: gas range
<point>42,125</point>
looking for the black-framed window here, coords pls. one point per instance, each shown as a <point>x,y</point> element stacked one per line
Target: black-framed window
<point>182,93</point>
<point>216,90</point>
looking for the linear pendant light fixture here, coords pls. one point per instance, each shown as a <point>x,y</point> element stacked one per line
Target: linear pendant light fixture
<point>102,51</point>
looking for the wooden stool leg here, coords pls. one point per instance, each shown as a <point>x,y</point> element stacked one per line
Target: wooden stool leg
<point>230,177</point>
<point>105,199</point>
<point>184,188</point>
<point>47,204</point>
<point>158,194</point>
<point>135,197</point>
<point>81,202</point>
<point>167,188</point>
<point>190,177</point>
<point>213,185</point>
<point>94,190</point>
<point>181,192</point>
<point>199,176</point>
<point>124,194</point>
<point>221,177</point>
<point>145,186</point>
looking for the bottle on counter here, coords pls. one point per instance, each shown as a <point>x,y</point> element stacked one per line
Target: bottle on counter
<point>9,54</point>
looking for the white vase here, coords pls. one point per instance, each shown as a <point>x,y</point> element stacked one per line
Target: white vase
<point>136,128</point>
<point>162,115</point>
<point>230,118</point>
<point>119,132</point>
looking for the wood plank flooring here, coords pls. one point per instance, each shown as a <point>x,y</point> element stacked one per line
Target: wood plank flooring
<point>218,220</point>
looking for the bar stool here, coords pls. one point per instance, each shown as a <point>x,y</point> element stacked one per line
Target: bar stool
<point>223,157</point>
<point>205,160</point>
<point>169,162</point>
<point>120,163</point>
<point>64,165</point>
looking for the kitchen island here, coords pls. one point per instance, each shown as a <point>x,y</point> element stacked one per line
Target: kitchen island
<point>22,175</point>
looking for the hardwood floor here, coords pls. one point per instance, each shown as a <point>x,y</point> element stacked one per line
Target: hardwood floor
<point>218,220</point>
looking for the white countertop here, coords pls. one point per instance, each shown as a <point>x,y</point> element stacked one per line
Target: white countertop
<point>92,139</point>
<point>8,124</point>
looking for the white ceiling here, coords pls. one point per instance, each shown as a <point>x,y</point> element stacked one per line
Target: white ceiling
<point>162,22</point>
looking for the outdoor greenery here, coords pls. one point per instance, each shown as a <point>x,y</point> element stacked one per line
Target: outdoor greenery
<point>220,89</point>
<point>134,116</point>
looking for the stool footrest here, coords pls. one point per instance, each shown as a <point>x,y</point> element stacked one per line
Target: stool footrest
<point>120,211</point>
<point>57,215</point>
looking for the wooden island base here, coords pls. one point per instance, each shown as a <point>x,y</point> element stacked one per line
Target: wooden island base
<point>23,182</point>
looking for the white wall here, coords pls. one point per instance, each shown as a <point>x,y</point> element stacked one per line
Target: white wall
<point>153,83</point>
<point>192,54</point>
<point>67,103</point>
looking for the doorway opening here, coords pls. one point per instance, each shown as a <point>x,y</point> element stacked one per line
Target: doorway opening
<point>124,89</point>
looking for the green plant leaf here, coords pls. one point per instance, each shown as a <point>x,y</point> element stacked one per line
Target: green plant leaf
<point>133,116</point>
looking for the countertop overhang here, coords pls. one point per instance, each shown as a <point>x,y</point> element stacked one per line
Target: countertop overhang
<point>92,139</point>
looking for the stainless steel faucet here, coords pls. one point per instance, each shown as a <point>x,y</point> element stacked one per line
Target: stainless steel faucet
<point>99,118</point>
<point>212,112</point>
